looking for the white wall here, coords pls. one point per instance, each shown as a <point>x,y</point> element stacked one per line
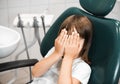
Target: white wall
<point>115,13</point>
<point>10,8</point>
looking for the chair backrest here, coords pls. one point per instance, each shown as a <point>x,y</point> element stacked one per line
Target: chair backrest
<point>105,49</point>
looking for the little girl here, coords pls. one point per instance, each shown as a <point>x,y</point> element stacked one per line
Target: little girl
<point>67,61</point>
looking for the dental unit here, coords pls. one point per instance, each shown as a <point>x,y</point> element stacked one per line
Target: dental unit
<point>34,21</point>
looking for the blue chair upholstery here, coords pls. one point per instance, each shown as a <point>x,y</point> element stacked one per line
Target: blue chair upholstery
<point>105,49</point>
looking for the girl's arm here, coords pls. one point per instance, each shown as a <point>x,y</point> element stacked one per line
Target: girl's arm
<point>66,73</point>
<point>43,65</point>
<point>73,47</point>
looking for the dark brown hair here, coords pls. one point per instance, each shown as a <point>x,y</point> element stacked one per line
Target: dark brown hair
<point>84,27</point>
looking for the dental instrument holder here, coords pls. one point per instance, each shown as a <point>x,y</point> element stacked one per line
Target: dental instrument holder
<point>43,23</point>
<point>36,26</point>
<point>20,24</point>
<point>35,22</point>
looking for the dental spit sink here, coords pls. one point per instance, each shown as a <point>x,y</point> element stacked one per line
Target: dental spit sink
<point>9,40</point>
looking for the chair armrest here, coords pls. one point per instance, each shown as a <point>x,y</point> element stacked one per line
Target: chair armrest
<point>17,64</point>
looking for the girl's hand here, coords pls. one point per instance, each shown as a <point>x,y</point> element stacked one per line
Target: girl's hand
<point>60,42</point>
<point>73,45</point>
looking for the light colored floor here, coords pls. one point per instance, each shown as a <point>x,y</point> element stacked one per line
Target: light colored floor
<point>22,78</point>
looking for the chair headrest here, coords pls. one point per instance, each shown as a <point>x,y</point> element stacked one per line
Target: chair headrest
<point>98,7</point>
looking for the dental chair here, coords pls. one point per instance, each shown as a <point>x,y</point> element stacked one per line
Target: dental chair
<point>105,49</point>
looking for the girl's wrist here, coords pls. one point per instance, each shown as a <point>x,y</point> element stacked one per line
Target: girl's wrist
<point>56,54</point>
<point>66,57</point>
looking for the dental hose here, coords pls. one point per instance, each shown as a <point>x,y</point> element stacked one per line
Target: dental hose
<point>29,46</point>
<point>36,27</point>
<point>20,24</point>
<point>43,23</point>
<point>36,35</point>
<point>16,57</point>
<point>35,38</point>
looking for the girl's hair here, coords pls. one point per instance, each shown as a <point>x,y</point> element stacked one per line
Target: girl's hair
<point>84,27</point>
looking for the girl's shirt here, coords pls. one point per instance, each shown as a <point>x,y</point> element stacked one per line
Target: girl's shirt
<point>80,70</point>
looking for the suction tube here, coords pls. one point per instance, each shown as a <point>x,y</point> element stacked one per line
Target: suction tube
<point>20,24</point>
<point>36,30</point>
<point>43,23</point>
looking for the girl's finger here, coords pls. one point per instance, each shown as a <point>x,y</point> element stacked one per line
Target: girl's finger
<point>71,39</point>
<point>61,34</point>
<point>75,37</point>
<point>75,30</point>
<point>65,40</point>
<point>68,40</point>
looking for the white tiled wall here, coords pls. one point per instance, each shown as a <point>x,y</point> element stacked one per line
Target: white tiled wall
<point>10,8</point>
<point>115,13</point>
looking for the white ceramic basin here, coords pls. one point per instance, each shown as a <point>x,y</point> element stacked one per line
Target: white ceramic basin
<point>9,40</point>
